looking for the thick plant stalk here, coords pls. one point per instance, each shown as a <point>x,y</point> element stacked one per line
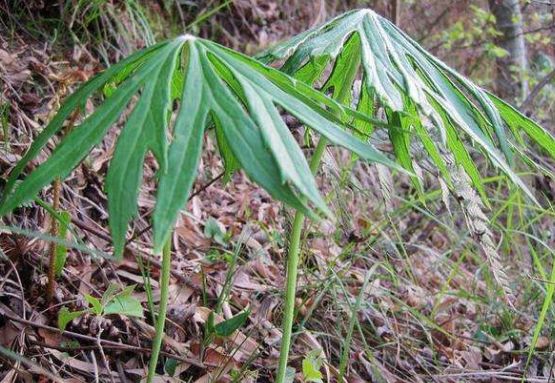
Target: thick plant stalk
<point>162,310</point>
<point>292,268</point>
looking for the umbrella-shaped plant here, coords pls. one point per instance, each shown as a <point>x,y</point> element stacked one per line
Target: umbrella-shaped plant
<point>364,61</point>
<point>213,87</point>
<point>242,99</point>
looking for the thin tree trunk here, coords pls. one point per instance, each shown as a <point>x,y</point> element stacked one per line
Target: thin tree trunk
<point>511,71</point>
<point>395,11</point>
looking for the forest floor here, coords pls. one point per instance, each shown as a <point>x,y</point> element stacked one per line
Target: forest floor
<point>397,278</point>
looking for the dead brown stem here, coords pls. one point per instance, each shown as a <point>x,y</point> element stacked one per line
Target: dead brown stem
<point>54,228</point>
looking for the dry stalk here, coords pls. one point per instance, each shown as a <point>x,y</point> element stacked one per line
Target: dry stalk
<point>54,226</point>
<point>473,210</point>
<point>477,222</point>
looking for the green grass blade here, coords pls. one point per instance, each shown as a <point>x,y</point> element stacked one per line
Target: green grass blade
<point>548,300</point>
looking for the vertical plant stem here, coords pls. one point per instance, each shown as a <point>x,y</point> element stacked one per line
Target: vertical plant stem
<point>162,310</point>
<point>56,190</point>
<point>51,287</point>
<point>292,268</point>
<point>291,285</point>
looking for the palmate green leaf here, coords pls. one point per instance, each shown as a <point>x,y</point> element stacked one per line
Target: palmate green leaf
<point>400,74</point>
<point>344,72</point>
<point>399,135</point>
<point>519,123</point>
<point>73,148</point>
<point>305,103</point>
<point>212,86</point>
<point>230,162</point>
<point>461,154</point>
<point>146,129</point>
<point>116,72</point>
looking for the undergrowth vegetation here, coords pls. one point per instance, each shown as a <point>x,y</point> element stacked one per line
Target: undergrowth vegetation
<point>392,284</point>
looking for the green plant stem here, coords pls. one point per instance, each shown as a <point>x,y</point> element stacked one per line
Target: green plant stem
<point>292,268</point>
<point>162,310</point>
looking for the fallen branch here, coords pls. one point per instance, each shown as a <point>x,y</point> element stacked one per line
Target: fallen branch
<point>527,103</point>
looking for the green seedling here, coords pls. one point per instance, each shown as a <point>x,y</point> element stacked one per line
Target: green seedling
<point>113,301</point>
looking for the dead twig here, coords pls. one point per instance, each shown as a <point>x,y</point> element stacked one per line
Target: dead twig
<point>54,229</point>
<point>527,103</point>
